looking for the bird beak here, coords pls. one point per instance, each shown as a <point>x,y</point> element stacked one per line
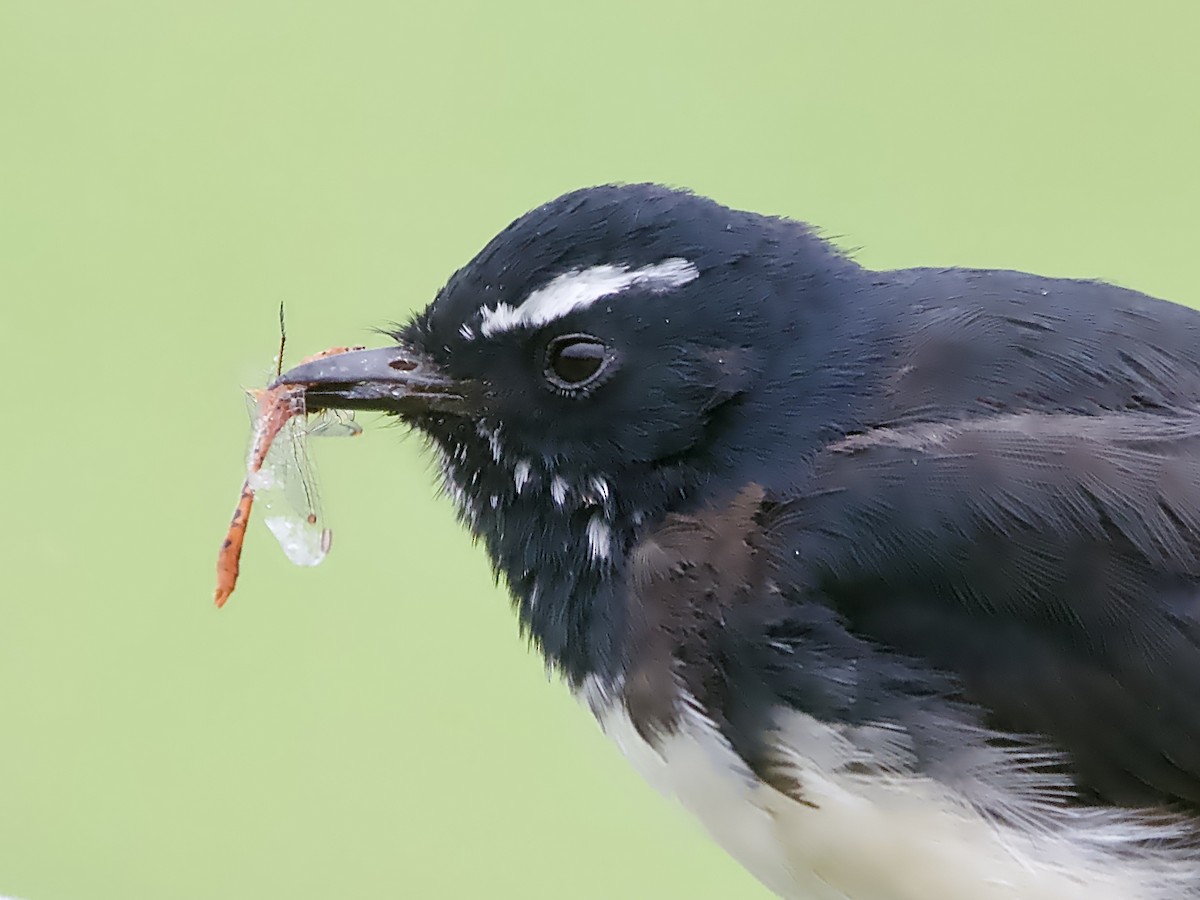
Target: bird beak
<point>390,379</point>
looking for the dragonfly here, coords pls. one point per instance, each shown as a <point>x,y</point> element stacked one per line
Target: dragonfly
<point>280,476</point>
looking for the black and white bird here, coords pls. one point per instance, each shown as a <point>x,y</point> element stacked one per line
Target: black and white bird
<point>891,577</point>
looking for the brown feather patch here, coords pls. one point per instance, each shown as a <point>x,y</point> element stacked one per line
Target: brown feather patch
<point>682,579</point>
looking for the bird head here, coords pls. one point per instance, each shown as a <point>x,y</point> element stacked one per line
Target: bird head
<point>588,372</point>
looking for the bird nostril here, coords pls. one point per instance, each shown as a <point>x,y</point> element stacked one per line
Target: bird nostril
<point>403,364</point>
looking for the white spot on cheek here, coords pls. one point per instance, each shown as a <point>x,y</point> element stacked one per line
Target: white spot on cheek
<point>467,332</point>
<point>600,488</point>
<point>558,490</point>
<point>599,538</point>
<point>521,474</point>
<point>582,288</point>
<point>492,436</point>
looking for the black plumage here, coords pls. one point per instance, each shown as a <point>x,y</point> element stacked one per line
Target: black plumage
<point>956,508</point>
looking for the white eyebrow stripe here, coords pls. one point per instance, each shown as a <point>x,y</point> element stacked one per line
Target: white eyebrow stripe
<point>581,288</point>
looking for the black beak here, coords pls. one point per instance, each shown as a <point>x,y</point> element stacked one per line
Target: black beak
<point>390,379</point>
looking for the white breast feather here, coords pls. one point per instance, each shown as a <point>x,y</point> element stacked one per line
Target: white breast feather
<point>875,831</point>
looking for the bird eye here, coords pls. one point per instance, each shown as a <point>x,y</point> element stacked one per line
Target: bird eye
<point>575,360</point>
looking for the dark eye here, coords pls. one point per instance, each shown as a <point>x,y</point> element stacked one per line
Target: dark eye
<point>575,360</point>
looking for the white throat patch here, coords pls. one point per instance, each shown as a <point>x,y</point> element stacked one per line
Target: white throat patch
<point>580,289</point>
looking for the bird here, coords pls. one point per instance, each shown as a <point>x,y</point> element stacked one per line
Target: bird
<point>891,578</point>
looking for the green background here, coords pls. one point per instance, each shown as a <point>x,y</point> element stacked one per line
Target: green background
<point>169,172</point>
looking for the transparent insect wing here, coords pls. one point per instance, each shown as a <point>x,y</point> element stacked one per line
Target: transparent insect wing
<point>286,488</point>
<point>333,423</point>
<point>280,478</point>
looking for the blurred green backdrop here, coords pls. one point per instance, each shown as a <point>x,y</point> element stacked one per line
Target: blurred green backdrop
<point>169,172</point>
